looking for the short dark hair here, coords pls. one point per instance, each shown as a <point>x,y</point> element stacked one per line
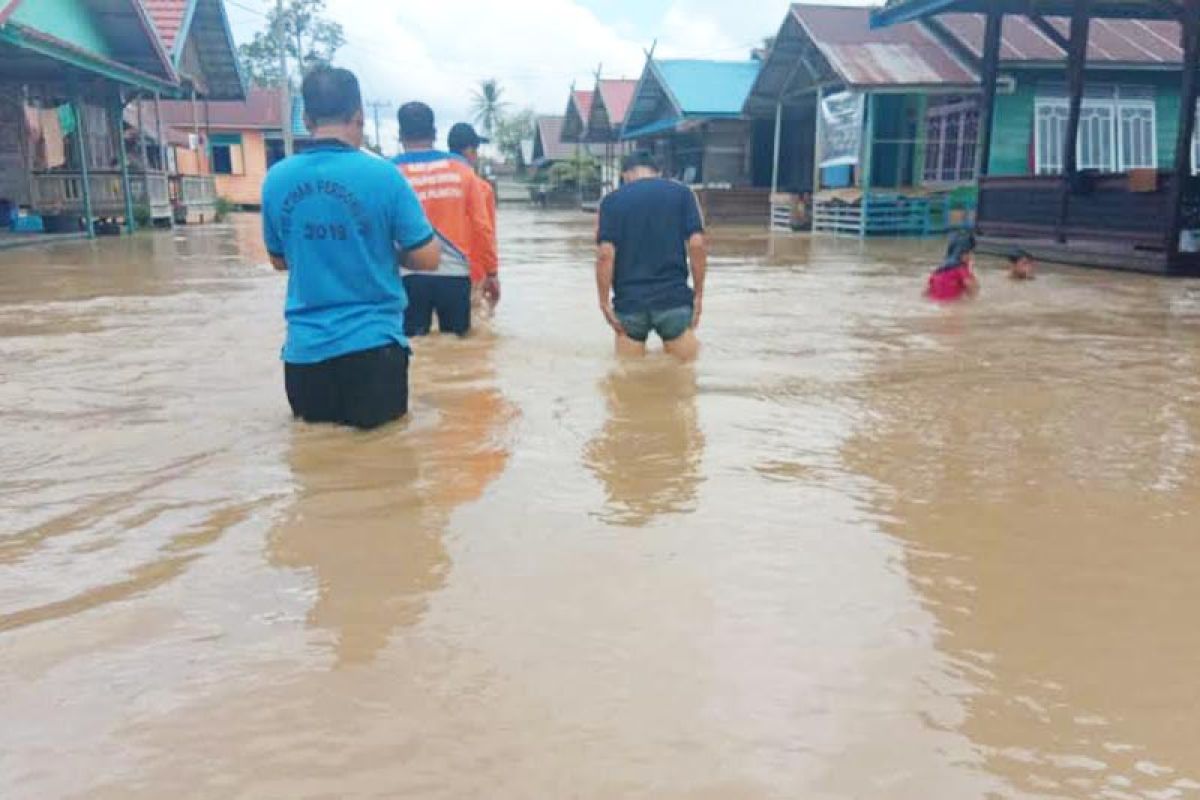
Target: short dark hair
<point>640,159</point>
<point>416,122</point>
<point>331,94</point>
<point>961,244</point>
<point>1016,254</point>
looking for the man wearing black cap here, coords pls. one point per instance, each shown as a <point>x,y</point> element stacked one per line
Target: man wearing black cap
<point>457,206</point>
<point>464,142</point>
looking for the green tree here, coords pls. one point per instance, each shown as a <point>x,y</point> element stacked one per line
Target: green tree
<point>511,131</point>
<point>488,105</point>
<point>310,40</point>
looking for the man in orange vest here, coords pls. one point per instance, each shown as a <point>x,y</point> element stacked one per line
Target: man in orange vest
<point>458,208</point>
<point>464,142</point>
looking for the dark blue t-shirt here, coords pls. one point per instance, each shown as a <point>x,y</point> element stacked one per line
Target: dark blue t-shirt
<point>649,222</point>
<point>337,215</point>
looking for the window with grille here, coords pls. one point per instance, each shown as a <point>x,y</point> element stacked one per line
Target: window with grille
<point>951,137</point>
<point>1116,129</point>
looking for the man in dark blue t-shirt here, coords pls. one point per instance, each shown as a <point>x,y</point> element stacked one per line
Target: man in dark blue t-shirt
<point>334,219</point>
<point>650,231</point>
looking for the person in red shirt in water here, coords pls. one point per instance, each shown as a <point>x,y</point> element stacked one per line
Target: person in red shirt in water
<point>955,278</point>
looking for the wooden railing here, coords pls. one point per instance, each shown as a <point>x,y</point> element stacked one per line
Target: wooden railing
<point>62,193</point>
<point>197,189</point>
<point>1102,207</point>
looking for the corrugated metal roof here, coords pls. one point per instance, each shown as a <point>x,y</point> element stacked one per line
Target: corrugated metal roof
<point>582,98</point>
<point>260,110</point>
<point>617,95</point>
<point>548,145</point>
<point>168,16</point>
<point>903,55</point>
<point>709,88</point>
<point>1111,41</point>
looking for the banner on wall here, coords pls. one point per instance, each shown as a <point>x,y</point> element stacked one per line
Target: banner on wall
<point>841,128</point>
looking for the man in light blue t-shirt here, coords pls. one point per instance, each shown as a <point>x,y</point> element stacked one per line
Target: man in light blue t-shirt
<point>336,219</point>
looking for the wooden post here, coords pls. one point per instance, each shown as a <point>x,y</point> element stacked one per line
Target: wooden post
<point>123,162</point>
<point>82,153</point>
<point>1189,31</point>
<point>1076,63</point>
<point>818,129</point>
<point>775,162</point>
<point>141,131</point>
<point>865,159</point>
<point>988,74</point>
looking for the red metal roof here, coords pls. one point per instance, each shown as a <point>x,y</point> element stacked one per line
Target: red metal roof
<point>168,16</point>
<point>1123,41</point>
<point>902,55</point>
<point>617,95</point>
<point>259,111</point>
<point>583,102</point>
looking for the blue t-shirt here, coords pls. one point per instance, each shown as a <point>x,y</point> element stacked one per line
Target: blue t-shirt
<point>649,222</point>
<point>337,215</point>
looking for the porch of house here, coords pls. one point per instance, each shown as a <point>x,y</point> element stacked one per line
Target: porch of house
<point>1145,220</point>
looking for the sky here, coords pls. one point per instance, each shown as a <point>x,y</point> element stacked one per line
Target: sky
<point>437,51</point>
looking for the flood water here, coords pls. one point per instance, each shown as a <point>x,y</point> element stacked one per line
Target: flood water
<point>866,548</point>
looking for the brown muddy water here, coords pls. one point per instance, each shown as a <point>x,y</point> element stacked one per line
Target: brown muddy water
<point>867,548</point>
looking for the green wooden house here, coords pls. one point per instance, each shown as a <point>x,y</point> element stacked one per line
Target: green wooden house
<point>878,129</point>
<point>73,139</point>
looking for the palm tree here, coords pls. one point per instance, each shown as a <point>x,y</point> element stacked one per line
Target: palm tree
<point>488,105</point>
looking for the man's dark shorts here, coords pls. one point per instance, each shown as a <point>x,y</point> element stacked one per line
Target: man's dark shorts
<point>364,390</point>
<point>669,324</point>
<point>449,296</point>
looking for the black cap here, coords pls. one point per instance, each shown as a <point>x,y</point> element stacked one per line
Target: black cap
<point>416,122</point>
<point>463,136</point>
<point>639,159</point>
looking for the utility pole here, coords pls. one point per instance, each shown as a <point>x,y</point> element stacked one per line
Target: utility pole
<point>376,106</point>
<point>285,97</point>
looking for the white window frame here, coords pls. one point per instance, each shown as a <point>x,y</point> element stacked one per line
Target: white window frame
<point>1102,99</point>
<point>966,151</point>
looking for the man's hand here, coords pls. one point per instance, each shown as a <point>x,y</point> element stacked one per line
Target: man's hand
<point>697,310</point>
<point>491,290</point>
<point>279,263</point>
<point>610,316</point>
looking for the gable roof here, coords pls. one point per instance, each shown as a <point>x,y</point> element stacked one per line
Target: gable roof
<point>212,62</point>
<point>575,120</point>
<point>670,92</point>
<point>133,51</point>
<point>168,16</point>
<point>547,141</point>
<point>610,105</point>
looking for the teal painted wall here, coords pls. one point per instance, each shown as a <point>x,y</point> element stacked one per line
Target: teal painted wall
<point>69,20</point>
<point>1012,131</point>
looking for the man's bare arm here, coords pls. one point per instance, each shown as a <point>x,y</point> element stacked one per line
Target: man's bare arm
<point>424,258</point>
<point>606,256</point>
<point>698,258</point>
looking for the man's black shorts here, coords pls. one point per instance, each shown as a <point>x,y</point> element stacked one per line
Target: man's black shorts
<point>363,390</point>
<point>448,295</point>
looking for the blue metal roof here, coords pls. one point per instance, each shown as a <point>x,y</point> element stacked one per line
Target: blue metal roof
<point>709,88</point>
<point>654,127</point>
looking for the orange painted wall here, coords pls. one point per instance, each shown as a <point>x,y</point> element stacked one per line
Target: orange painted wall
<point>190,162</point>
<point>246,189</point>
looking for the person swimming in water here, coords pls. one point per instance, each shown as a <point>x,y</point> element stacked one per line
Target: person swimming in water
<point>1020,265</point>
<point>955,278</point>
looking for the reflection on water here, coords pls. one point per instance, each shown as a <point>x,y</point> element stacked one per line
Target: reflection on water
<point>648,453</point>
<point>370,509</point>
<point>866,548</point>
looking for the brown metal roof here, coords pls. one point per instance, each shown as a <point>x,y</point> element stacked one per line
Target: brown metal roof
<point>1112,41</point>
<point>902,55</point>
<point>260,110</point>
